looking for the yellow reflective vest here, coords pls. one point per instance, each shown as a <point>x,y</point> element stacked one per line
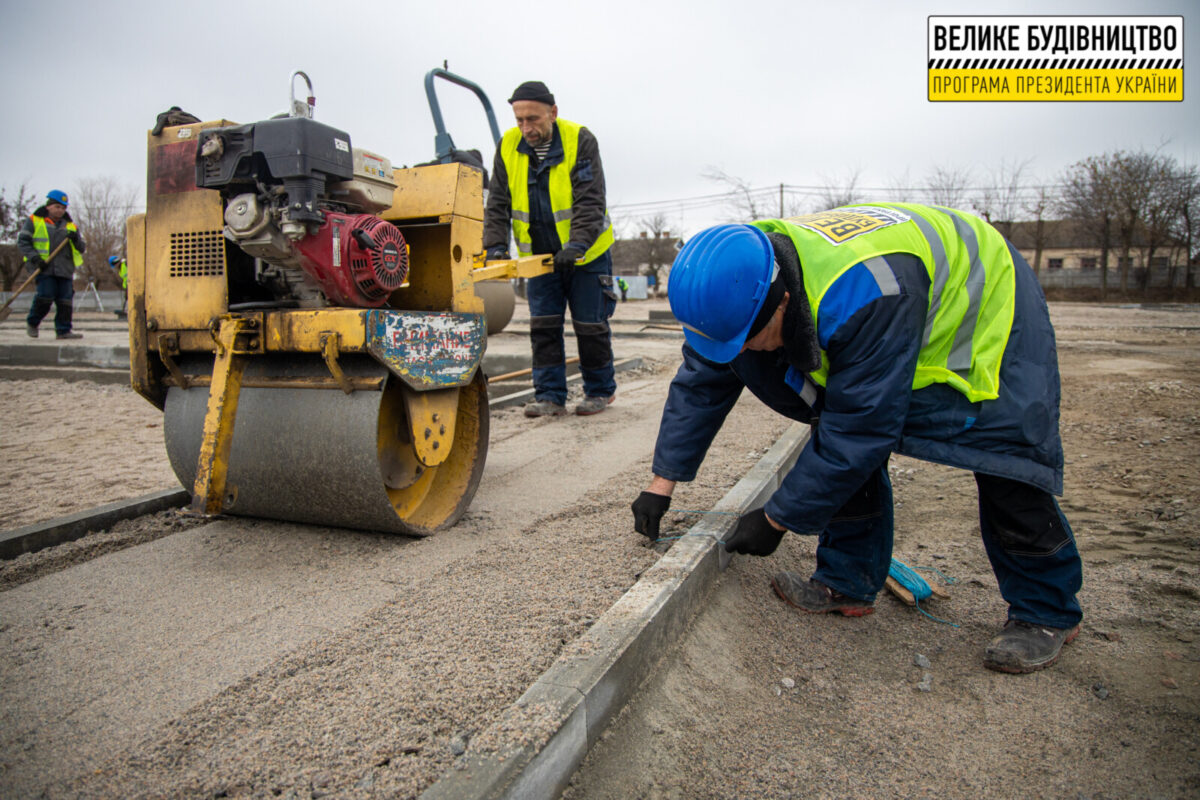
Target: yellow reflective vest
<point>971,282</point>
<point>561,193</point>
<point>41,240</point>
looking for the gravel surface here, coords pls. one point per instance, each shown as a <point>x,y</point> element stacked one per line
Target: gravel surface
<point>67,447</point>
<point>253,658</point>
<point>259,659</point>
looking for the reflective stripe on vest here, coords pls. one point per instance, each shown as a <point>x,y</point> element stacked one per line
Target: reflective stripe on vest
<point>971,277</point>
<point>41,240</point>
<point>561,193</point>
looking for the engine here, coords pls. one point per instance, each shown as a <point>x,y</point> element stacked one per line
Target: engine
<point>299,200</point>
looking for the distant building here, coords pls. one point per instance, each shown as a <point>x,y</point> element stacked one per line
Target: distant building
<point>1065,244</point>
<point>647,256</point>
<point>1068,257</point>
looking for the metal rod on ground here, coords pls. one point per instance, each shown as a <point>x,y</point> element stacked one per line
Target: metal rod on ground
<point>5,311</point>
<point>525,371</point>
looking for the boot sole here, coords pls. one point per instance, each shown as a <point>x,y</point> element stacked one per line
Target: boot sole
<point>845,611</point>
<point>1026,668</point>
<point>556,413</point>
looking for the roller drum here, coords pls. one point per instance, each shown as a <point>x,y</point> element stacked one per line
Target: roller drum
<point>315,455</point>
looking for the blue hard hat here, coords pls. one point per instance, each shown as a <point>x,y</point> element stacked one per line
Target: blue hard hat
<point>56,196</point>
<point>717,286</point>
<point>112,261</point>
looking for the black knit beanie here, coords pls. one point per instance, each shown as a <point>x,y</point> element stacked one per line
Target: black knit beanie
<point>533,90</point>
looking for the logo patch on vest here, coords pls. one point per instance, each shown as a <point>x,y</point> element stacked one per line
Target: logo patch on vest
<point>843,224</point>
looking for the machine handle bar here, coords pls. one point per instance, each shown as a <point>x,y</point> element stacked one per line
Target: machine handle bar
<point>442,143</point>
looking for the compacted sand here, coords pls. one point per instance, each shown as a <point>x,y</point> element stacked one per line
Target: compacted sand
<point>171,658</point>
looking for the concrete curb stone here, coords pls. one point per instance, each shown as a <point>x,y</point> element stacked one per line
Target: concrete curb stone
<point>39,535</point>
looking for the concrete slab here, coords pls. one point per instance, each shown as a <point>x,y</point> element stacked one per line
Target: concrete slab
<point>546,734</point>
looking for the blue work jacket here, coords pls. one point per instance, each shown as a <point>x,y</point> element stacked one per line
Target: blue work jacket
<point>868,408</point>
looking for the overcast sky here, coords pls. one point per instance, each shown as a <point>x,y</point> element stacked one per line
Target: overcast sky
<point>794,92</point>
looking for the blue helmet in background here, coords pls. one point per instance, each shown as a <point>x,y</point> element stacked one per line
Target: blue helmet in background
<point>718,285</point>
<point>56,196</point>
<point>113,261</point>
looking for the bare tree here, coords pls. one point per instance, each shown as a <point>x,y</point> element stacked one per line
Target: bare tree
<point>1037,208</point>
<point>13,211</point>
<point>1132,177</point>
<point>1087,200</point>
<point>900,188</point>
<point>947,186</point>
<point>1187,186</point>
<point>747,203</point>
<point>658,248</point>
<point>1000,202</point>
<point>1161,211</point>
<point>834,193</point>
<point>101,206</point>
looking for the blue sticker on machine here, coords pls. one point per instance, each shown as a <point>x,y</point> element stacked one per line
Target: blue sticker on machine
<point>428,350</point>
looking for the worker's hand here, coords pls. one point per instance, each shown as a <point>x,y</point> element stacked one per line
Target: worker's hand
<point>35,263</point>
<point>565,259</point>
<point>73,236</point>
<point>754,535</point>
<point>648,511</point>
<point>497,254</point>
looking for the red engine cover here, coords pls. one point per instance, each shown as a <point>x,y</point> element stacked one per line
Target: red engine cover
<point>357,260</point>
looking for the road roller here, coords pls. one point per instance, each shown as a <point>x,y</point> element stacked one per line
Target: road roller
<point>305,315</point>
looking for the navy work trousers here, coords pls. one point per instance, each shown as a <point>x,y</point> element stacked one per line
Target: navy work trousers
<point>1025,534</point>
<point>588,291</point>
<point>52,291</point>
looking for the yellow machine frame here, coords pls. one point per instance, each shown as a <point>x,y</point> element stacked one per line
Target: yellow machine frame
<point>439,210</point>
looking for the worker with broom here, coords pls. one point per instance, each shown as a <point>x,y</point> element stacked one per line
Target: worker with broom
<point>38,241</point>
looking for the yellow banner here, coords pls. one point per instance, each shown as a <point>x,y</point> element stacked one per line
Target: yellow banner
<point>1056,85</point>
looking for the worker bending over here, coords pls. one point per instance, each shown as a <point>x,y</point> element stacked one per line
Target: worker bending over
<point>888,327</point>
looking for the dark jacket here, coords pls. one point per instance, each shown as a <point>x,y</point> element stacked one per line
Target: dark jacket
<point>867,410</point>
<point>63,265</point>
<point>588,204</point>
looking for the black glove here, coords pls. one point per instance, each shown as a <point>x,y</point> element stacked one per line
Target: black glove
<point>172,116</point>
<point>34,264</point>
<point>754,536</point>
<point>73,236</point>
<point>565,259</point>
<point>497,254</point>
<point>648,511</point>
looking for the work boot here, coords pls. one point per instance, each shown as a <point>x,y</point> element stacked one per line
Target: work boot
<point>544,408</point>
<point>1024,647</point>
<point>69,335</point>
<point>816,597</point>
<point>31,331</point>
<point>593,405</point>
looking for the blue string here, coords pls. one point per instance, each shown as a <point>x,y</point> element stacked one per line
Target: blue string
<point>909,579</point>
<point>906,577</point>
<point>935,619</point>
<point>946,579</point>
